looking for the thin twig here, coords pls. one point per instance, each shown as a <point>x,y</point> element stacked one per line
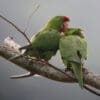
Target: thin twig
<point>18,29</point>
<point>27,23</point>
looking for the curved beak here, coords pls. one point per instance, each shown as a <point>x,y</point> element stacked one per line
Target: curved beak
<point>65,25</point>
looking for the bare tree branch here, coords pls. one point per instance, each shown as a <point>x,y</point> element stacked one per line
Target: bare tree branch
<point>46,70</point>
<point>17,28</point>
<point>28,20</point>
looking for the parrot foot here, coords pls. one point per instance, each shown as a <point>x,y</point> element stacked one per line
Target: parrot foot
<point>22,75</point>
<point>69,72</point>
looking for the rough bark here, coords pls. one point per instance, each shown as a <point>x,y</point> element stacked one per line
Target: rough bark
<point>46,70</point>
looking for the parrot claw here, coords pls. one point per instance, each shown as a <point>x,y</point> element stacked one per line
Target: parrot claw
<point>70,74</point>
<point>22,75</point>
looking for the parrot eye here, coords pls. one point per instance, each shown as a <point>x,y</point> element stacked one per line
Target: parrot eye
<point>66,18</point>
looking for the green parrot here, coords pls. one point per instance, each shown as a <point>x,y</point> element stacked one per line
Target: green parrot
<point>73,50</point>
<point>45,43</point>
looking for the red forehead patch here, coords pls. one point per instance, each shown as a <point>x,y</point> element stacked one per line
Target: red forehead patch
<point>66,18</point>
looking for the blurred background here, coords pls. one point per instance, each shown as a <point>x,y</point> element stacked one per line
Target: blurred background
<point>83,13</point>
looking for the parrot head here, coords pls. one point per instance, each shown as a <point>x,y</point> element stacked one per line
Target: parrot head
<point>75,31</point>
<point>65,24</point>
<point>59,23</point>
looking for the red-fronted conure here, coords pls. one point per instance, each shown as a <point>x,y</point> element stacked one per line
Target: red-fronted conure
<point>73,50</point>
<point>46,42</point>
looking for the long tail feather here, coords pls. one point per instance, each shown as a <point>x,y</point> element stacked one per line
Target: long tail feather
<point>77,69</point>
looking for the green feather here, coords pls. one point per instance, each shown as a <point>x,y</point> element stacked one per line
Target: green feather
<point>77,69</point>
<point>74,31</point>
<point>73,50</point>
<point>47,55</point>
<point>69,45</point>
<point>46,42</point>
<point>55,22</point>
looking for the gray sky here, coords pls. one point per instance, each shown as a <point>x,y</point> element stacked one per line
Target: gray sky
<point>83,13</point>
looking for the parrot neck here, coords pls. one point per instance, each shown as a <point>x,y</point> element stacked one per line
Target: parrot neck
<point>54,24</point>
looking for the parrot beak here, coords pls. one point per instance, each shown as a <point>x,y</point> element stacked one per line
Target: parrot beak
<point>66,25</point>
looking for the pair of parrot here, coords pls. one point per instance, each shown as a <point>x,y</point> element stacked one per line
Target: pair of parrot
<point>56,35</point>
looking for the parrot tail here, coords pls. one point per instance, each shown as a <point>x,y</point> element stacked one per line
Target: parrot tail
<point>77,69</point>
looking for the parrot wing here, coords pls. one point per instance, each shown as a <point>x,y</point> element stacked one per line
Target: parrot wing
<point>73,48</point>
<point>44,44</point>
<point>47,39</point>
